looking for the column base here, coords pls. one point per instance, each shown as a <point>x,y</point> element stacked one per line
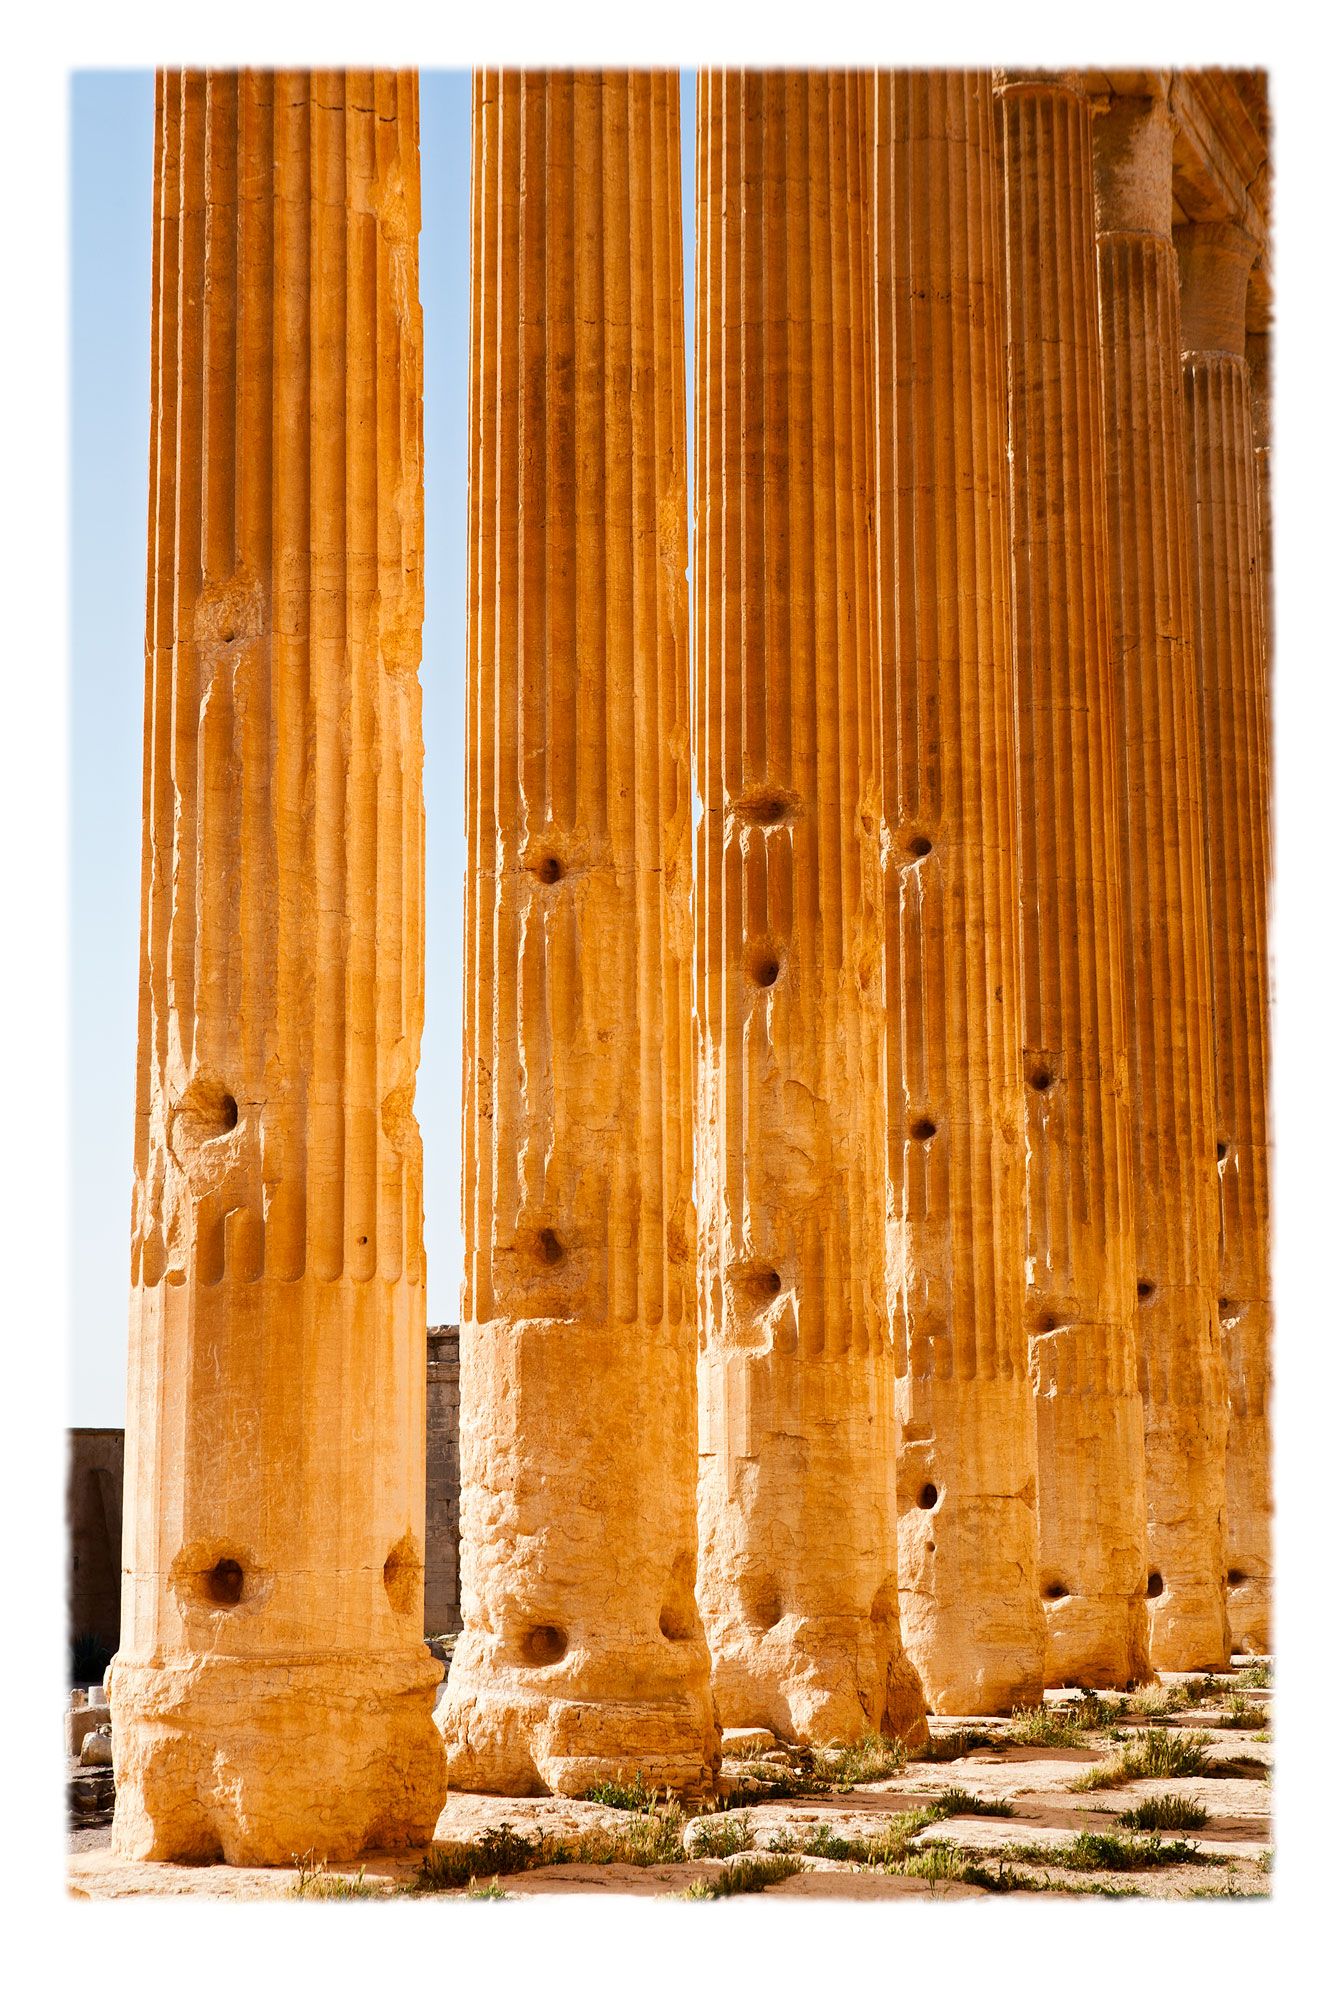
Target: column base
<point>528,1732</point>
<point>1187,1627</point>
<point>1249,1610</point>
<point>1096,1642</point>
<point>818,1681</point>
<point>257,1762</point>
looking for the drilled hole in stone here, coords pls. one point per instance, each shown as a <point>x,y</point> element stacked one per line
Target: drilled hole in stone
<point>549,868</point>
<point>1145,1288</point>
<point>1041,1077</point>
<point>223,1583</point>
<point>763,968</point>
<point>1234,1577</point>
<point>546,1247</point>
<point>928,1497</point>
<point>544,1645</point>
<point>1225,1308</point>
<point>755,1286</point>
<point>1221,1149</point>
<point>923,1128</point>
<point>764,1607</point>
<point>764,807</point>
<point>361,1242</point>
<point>401,1575</point>
<point>676,1622</point>
<point>1155,1584</point>
<point>1054,1591</point>
<point>1046,1323</point>
<point>919,845</point>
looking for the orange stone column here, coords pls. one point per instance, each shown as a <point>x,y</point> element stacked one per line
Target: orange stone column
<point>273,1693</point>
<point>1080,1253</point>
<point>1215,261</point>
<point>583,1653</point>
<point>798,1432</point>
<point>968,1550</point>
<point>1164,890</point>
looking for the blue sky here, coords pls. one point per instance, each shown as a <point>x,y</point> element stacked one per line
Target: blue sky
<point>112,120</point>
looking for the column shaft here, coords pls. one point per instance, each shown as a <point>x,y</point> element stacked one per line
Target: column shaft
<point>1080,1267</point>
<point>273,1691</point>
<point>583,1652</point>
<point>1164,897</point>
<point>1229,649</point>
<point>968,1548</point>
<point>798,1436</point>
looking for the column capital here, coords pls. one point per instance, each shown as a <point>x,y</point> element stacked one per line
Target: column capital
<point>1215,260</point>
<point>1133,141</point>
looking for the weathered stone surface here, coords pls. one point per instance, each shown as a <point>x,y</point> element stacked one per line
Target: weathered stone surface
<point>798,1436</point>
<point>272,1693</point>
<point>1215,261</point>
<point>582,1653</point>
<point>968,1549</point>
<point>1164,889</point>
<point>1080,1290</point>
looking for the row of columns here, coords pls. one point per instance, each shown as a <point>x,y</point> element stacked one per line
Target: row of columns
<point>879,1010</point>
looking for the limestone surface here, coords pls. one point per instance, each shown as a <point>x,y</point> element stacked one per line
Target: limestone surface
<point>1165,913</point>
<point>583,1654</point>
<point>273,1693</point>
<point>798,1435</point>
<point>968,1548</point>
<point>1080,1276</point>
<point>1215,262</point>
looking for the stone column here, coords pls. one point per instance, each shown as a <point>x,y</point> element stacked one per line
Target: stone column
<point>798,1434</point>
<point>968,1552</point>
<point>582,1653</point>
<point>1080,1256</point>
<point>1164,893</point>
<point>1215,261</point>
<point>273,1692</point>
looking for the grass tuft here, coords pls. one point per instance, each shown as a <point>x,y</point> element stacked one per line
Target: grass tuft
<point>626,1794</point>
<point>745,1876</point>
<point>720,1836</point>
<point>315,1885</point>
<point>939,1861</point>
<point>955,1800</point>
<point>1151,1753</point>
<point>485,1892</point>
<point>1049,1728</point>
<point>1168,1813</point>
<point>864,1763</point>
<point>1259,1674</point>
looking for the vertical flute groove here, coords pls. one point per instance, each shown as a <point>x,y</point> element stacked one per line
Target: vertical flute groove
<point>578,1336</point>
<point>1081,1282</point>
<point>797,1412</point>
<point>955,1139</point>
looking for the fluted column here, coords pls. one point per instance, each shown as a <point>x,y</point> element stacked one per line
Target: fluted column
<point>273,1692</point>
<point>969,1561</point>
<point>1080,1258</point>
<point>798,1436</point>
<point>583,1653</point>
<point>1215,261</point>
<point>1164,893</point>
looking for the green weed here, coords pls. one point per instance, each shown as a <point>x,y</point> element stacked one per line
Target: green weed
<point>720,1836</point>
<point>745,1876</point>
<point>1048,1728</point>
<point>1168,1813</point>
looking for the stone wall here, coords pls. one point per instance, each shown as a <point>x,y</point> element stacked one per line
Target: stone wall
<point>442,1484</point>
<point>93,1547</point>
